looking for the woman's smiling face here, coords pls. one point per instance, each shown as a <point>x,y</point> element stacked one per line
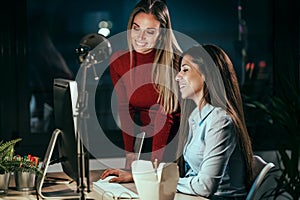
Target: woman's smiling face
<point>144,32</point>
<point>190,80</point>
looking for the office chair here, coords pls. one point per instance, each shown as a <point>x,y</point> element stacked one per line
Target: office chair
<point>260,170</point>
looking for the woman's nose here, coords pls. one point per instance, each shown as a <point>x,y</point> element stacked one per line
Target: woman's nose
<point>178,77</point>
<point>142,34</point>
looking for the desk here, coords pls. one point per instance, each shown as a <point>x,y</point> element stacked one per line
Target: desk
<point>55,190</point>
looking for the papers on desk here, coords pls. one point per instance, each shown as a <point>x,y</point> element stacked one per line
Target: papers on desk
<point>115,190</point>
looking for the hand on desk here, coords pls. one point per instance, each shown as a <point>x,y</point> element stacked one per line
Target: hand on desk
<point>122,176</point>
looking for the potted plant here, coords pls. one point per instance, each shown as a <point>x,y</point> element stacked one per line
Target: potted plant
<point>283,111</point>
<point>25,169</point>
<point>6,160</point>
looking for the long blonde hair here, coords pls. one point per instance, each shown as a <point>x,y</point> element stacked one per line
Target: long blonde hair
<point>166,61</point>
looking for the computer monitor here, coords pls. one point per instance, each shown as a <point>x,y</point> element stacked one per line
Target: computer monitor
<point>65,93</point>
<point>65,99</point>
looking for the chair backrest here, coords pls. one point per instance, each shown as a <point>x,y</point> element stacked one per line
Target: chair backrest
<point>260,170</point>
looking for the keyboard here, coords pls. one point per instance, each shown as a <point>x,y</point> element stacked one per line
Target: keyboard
<point>115,190</point>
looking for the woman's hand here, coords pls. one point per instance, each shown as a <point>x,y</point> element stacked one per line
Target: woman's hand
<point>130,157</point>
<point>122,176</point>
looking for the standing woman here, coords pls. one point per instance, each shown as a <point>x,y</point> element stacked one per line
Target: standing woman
<point>143,77</point>
<point>214,142</point>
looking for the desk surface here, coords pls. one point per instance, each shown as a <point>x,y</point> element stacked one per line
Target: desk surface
<point>64,191</point>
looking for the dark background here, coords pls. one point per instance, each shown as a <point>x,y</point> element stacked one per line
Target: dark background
<point>270,36</point>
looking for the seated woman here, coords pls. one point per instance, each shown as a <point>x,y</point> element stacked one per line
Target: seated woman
<point>214,142</point>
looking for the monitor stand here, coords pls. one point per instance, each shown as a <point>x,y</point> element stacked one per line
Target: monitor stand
<point>45,165</point>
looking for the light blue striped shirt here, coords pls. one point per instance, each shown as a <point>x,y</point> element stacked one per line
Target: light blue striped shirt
<point>213,159</point>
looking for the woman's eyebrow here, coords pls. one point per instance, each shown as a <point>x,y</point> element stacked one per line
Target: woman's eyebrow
<point>185,65</point>
<point>136,24</point>
<point>151,28</point>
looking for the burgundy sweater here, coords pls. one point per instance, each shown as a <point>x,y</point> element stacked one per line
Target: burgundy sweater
<point>136,94</point>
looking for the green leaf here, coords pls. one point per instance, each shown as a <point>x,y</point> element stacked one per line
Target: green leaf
<point>6,154</point>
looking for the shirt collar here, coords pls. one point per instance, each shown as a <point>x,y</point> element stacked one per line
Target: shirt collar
<point>198,117</point>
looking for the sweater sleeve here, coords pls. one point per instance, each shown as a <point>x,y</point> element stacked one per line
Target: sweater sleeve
<point>124,108</point>
<point>165,129</point>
